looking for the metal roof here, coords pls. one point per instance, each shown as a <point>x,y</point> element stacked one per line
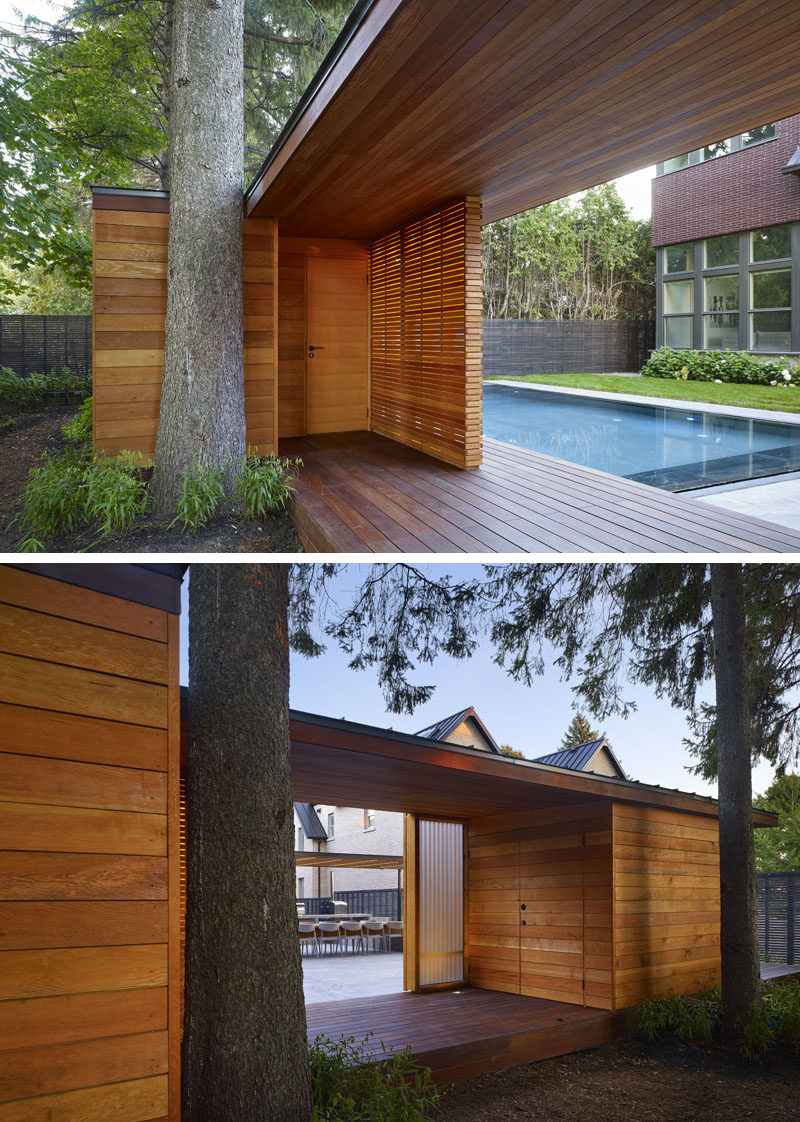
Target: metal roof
<point>578,757</point>
<point>442,729</point>
<point>309,820</point>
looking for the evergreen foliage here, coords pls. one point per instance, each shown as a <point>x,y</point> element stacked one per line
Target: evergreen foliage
<point>778,848</point>
<point>579,731</point>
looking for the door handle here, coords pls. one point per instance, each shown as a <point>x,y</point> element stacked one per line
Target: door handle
<point>312,349</point>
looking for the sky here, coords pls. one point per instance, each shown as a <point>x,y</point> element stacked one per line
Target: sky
<point>534,720</point>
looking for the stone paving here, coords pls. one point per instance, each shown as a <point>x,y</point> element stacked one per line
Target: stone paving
<point>337,977</point>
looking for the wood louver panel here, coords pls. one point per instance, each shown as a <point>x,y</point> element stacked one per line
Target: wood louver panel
<point>426,334</point>
<point>129,266</point>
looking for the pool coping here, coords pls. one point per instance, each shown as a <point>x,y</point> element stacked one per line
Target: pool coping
<point>738,411</point>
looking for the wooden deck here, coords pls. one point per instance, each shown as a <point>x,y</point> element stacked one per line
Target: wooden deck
<point>361,493</point>
<point>461,1033</point>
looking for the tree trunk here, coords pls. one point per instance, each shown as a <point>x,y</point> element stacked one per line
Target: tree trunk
<point>739,934</point>
<point>202,398</point>
<point>244,1045</point>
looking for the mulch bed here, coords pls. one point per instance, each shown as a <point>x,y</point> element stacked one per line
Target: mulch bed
<point>631,1081</point>
<point>22,445</point>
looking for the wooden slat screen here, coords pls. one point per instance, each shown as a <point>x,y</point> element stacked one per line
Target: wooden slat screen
<point>130,303</point>
<point>666,902</point>
<point>88,975</point>
<point>426,334</point>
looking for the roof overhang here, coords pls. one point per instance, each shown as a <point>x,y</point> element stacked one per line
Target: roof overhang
<point>360,765</point>
<point>347,860</point>
<point>423,101</point>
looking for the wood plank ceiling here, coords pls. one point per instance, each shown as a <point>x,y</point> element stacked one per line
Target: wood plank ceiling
<point>520,102</point>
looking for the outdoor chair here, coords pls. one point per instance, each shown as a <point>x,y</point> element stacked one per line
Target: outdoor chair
<point>352,934</point>
<point>394,931</point>
<point>308,937</point>
<point>375,934</point>
<point>330,936</point>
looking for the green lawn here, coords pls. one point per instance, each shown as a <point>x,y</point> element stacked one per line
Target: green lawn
<point>751,397</point>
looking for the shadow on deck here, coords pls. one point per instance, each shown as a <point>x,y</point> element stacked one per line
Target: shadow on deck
<point>362,493</point>
<point>461,1033</point>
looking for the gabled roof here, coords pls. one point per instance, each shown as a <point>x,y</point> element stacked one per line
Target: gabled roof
<point>309,820</point>
<point>579,756</point>
<point>442,729</point>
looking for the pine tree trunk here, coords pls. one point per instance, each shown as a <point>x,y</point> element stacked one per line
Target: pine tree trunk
<point>739,935</point>
<point>202,399</point>
<point>244,1046</point>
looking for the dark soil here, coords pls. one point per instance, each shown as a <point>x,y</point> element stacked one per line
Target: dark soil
<point>630,1081</point>
<point>22,445</point>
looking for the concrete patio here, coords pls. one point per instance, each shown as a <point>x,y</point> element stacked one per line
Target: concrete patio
<point>338,977</point>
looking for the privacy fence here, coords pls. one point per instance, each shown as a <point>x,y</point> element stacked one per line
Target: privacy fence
<point>376,901</point>
<point>41,344</point>
<point>779,916</point>
<point>551,346</point>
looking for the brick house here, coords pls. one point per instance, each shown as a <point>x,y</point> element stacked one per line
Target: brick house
<point>726,227</point>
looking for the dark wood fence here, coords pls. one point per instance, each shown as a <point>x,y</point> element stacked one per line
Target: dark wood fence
<point>778,918</point>
<point>552,346</point>
<point>41,344</point>
<point>376,901</point>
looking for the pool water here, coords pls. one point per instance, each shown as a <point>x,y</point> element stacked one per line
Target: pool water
<point>673,448</point>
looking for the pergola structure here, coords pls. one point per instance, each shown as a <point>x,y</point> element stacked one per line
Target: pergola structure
<point>575,895</point>
<point>362,266</point>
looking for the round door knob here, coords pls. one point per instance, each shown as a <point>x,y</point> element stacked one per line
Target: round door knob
<point>523,907</point>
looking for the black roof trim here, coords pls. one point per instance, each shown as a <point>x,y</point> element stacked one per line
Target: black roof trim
<point>337,49</point>
<point>154,586</point>
<point>146,192</point>
<point>309,820</point>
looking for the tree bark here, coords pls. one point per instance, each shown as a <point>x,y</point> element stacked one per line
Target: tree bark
<point>739,935</point>
<point>244,1045</point>
<point>202,398</point>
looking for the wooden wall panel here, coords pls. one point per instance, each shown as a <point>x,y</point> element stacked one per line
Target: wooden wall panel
<point>666,902</point>
<point>426,334</point>
<point>129,308</point>
<point>293,254</point>
<point>540,914</point>
<point>88,834</point>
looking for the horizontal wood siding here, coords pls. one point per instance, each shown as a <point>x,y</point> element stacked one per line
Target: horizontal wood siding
<point>666,902</point>
<point>88,682</point>
<point>426,334</point>
<point>129,310</point>
<point>540,914</point>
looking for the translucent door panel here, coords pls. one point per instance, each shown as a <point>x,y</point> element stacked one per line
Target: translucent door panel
<point>441,902</point>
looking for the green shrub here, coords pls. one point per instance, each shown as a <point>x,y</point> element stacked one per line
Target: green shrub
<point>721,366</point>
<point>200,497</point>
<point>264,484</point>
<point>349,1086</point>
<point>116,495</point>
<point>26,394</point>
<point>79,429</point>
<point>53,501</point>
<point>698,1019</point>
<point>694,1018</point>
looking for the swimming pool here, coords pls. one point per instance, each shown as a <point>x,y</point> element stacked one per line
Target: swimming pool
<point>676,449</point>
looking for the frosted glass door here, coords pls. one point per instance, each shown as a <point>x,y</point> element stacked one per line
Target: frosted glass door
<point>441,902</point>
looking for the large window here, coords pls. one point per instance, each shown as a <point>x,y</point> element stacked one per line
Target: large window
<point>771,243</point>
<point>732,291</point>
<point>771,318</point>
<point>721,312</point>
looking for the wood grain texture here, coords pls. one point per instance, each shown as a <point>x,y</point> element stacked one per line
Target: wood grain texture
<point>84,923</point>
<point>90,1016</point>
<point>39,732</point>
<point>426,334</point>
<point>666,902</point>
<point>81,876</point>
<point>521,103</point>
<point>50,972</point>
<point>130,1101</point>
<point>37,779</point>
<point>57,598</point>
<point>363,493</point>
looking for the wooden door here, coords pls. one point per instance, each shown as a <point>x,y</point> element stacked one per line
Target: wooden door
<point>494,913</point>
<point>337,344</point>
